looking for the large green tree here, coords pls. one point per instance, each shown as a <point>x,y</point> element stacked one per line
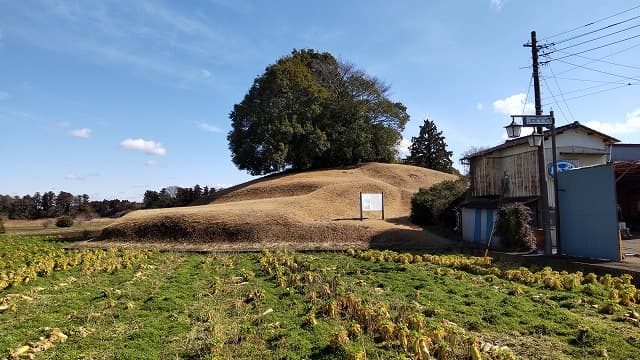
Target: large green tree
<point>307,111</point>
<point>429,149</point>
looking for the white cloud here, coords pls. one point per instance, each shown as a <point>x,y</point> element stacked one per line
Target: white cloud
<point>150,163</point>
<point>4,95</point>
<point>63,124</point>
<point>630,125</point>
<point>403,147</point>
<point>74,177</point>
<point>146,146</point>
<point>185,25</point>
<point>205,73</point>
<point>496,4</point>
<point>210,128</point>
<point>480,106</point>
<point>83,133</point>
<point>513,105</point>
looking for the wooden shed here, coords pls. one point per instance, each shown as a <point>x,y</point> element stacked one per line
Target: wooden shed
<point>517,163</point>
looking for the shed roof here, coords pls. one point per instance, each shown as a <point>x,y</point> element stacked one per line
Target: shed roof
<point>493,202</point>
<point>523,140</point>
<point>625,152</point>
<point>627,170</point>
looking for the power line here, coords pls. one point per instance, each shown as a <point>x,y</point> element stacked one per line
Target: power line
<point>593,87</point>
<point>604,61</point>
<point>594,31</point>
<point>561,93</point>
<point>599,59</point>
<point>593,93</point>
<point>599,71</point>
<point>564,116</point>
<point>589,80</point>
<point>603,57</point>
<point>524,106</point>
<point>595,48</point>
<point>594,39</point>
<point>591,23</point>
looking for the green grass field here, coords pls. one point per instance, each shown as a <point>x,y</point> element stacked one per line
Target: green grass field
<point>129,304</point>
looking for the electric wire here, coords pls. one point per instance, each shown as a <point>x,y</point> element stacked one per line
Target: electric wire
<point>584,51</point>
<point>524,106</point>
<point>591,87</point>
<point>599,71</point>
<point>589,94</point>
<point>555,101</point>
<point>591,40</point>
<point>612,85</point>
<point>561,93</point>
<point>591,80</point>
<point>603,57</point>
<point>604,61</point>
<point>594,31</point>
<point>591,23</point>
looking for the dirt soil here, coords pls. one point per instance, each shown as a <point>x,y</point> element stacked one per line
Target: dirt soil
<point>310,210</point>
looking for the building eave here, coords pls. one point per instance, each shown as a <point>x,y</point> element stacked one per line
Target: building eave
<point>547,133</point>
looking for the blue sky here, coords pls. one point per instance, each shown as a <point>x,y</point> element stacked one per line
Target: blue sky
<point>110,98</point>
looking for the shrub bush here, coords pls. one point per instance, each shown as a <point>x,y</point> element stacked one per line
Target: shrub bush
<point>64,221</point>
<point>513,226</point>
<point>436,205</point>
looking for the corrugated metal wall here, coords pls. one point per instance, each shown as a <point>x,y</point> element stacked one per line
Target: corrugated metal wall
<point>477,224</point>
<point>588,222</point>
<point>522,170</point>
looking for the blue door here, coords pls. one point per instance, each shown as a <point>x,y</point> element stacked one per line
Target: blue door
<point>588,219</point>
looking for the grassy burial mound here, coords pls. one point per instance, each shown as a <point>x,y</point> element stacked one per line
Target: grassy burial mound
<point>312,209</point>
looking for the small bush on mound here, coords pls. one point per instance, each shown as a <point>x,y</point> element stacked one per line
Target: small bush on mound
<point>64,221</point>
<point>513,226</point>
<point>435,205</point>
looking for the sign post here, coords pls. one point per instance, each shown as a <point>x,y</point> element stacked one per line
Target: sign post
<point>535,120</point>
<point>540,121</point>
<point>371,202</point>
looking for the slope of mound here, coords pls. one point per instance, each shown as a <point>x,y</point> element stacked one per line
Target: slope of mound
<point>313,208</point>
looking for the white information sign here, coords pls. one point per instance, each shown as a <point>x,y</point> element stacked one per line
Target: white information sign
<point>371,202</point>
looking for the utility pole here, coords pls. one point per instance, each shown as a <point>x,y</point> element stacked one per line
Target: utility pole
<point>543,209</point>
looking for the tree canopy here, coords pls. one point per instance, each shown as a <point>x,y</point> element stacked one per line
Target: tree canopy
<point>309,110</point>
<point>429,149</point>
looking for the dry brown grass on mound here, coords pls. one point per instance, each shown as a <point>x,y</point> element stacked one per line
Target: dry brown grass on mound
<point>308,208</point>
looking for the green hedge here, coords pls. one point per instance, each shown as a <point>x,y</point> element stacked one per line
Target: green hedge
<point>513,226</point>
<point>436,205</point>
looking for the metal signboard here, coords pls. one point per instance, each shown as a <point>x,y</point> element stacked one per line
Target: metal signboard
<point>371,202</point>
<point>536,120</point>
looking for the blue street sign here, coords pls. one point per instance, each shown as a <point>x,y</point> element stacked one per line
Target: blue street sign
<point>562,166</point>
<point>536,120</point>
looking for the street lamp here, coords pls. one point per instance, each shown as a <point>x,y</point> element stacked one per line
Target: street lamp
<point>513,129</point>
<point>537,140</point>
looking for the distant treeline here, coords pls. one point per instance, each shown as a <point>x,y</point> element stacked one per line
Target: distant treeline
<point>175,196</point>
<point>50,204</point>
